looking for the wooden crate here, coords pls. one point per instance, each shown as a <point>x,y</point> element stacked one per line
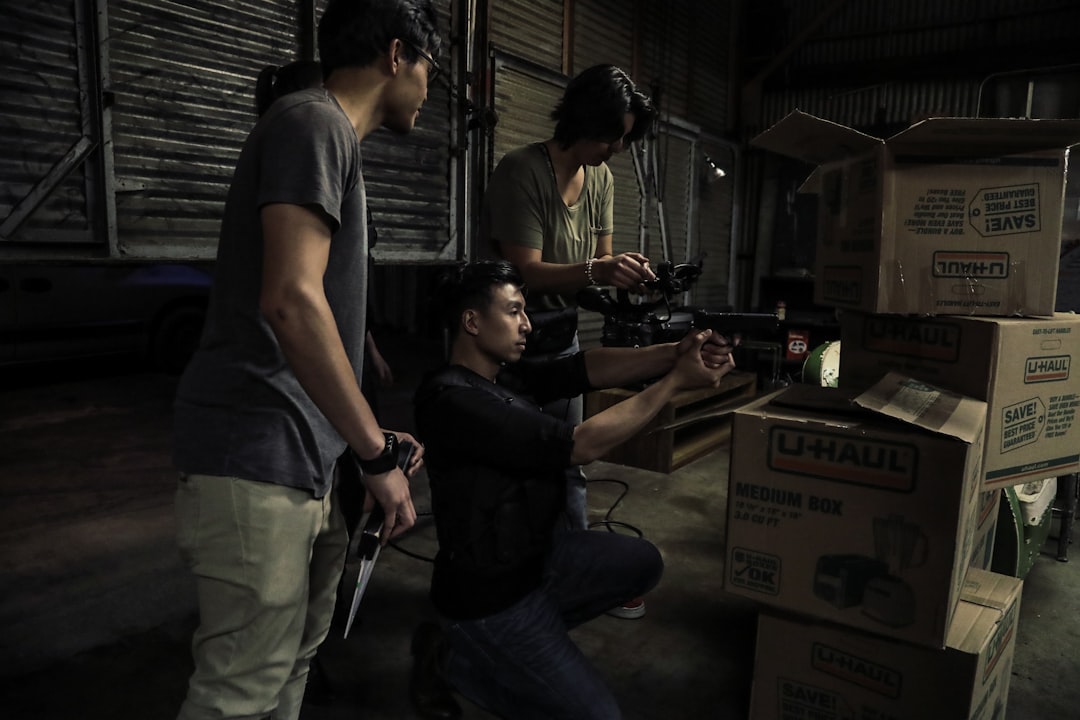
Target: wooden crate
<point>675,436</point>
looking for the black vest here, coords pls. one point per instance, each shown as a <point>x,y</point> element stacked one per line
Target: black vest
<point>490,521</point>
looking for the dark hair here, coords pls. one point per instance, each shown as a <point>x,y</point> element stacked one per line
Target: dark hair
<point>276,81</point>
<point>594,104</point>
<point>468,286</point>
<point>352,33</point>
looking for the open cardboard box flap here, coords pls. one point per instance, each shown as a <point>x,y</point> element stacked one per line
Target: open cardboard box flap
<point>898,397</point>
<point>926,406</point>
<point>817,141</point>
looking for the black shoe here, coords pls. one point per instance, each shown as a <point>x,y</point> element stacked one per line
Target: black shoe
<point>428,690</point>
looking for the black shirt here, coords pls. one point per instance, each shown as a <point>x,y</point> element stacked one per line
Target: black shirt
<point>486,443</point>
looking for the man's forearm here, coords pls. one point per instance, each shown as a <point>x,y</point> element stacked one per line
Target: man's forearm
<point>599,434</point>
<point>310,341</point>
<point>614,366</point>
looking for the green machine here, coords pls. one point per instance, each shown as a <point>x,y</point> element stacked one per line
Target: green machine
<point>1020,536</point>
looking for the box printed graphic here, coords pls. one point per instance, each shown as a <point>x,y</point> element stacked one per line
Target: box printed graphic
<point>806,670</point>
<point>853,516</point>
<point>950,216</point>
<point>1022,368</point>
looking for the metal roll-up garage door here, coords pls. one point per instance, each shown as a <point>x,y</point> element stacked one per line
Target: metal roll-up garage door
<point>524,99</point>
<point>665,53</point>
<point>183,79</point>
<point>673,152</point>
<point>408,177</point>
<point>603,33</point>
<point>529,29</point>
<point>42,125</point>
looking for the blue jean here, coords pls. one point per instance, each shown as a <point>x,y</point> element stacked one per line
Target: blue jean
<point>571,410</point>
<point>521,663</point>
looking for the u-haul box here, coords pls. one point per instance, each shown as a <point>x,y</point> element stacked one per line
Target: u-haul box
<point>954,216</point>
<point>1021,367</point>
<point>852,516</point>
<point>804,669</point>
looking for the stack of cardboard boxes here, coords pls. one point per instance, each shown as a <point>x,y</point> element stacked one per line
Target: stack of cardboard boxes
<point>864,516</point>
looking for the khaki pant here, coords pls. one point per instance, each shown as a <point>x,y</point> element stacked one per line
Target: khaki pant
<point>267,561</point>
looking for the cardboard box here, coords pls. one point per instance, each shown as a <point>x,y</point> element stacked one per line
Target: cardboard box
<point>1022,368</point>
<point>805,670</point>
<point>951,216</point>
<point>851,516</point>
<point>986,522</point>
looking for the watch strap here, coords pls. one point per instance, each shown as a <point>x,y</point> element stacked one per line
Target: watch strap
<point>384,461</point>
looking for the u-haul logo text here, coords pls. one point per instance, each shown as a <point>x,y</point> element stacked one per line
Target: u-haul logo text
<point>842,458</point>
<point>912,338</point>
<point>854,669</point>
<point>1006,210</point>
<point>974,265</point>
<point>1046,369</point>
<point>842,284</point>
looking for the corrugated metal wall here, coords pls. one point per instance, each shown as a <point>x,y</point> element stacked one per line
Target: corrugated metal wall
<point>665,69</point>
<point>183,78</point>
<point>892,104</point>
<point>529,29</point>
<point>523,102</point>
<point>408,177</point>
<point>41,122</point>
<point>886,33</point>
<point>177,80</point>
<point>603,33</point>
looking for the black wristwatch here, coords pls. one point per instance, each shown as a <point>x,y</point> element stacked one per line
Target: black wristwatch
<point>384,461</point>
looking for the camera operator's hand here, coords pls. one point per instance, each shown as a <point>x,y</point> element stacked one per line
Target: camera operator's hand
<point>698,367</point>
<point>627,271</point>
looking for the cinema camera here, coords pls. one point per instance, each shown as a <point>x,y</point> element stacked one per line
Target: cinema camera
<point>637,324</point>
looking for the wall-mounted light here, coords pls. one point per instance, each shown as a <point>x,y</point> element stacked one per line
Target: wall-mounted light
<point>713,172</point>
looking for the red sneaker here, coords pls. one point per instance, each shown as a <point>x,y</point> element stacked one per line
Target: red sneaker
<point>630,610</point>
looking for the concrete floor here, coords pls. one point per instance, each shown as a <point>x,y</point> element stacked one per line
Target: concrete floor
<point>96,612</point>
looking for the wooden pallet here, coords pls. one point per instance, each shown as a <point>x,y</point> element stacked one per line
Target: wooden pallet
<point>692,424</point>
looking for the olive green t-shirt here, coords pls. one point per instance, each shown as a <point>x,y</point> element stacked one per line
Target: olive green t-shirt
<point>522,206</point>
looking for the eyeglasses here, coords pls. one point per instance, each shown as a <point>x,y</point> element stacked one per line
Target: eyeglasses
<point>433,69</point>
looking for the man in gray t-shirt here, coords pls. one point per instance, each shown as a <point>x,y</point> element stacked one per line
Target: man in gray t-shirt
<point>272,399</point>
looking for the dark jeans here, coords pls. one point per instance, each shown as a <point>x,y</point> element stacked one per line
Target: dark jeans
<point>571,410</point>
<point>521,663</point>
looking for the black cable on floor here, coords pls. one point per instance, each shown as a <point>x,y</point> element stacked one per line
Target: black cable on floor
<point>608,522</point>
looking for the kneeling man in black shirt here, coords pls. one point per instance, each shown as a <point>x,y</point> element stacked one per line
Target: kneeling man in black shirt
<point>509,582</point>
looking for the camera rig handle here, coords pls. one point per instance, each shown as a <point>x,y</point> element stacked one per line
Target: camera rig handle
<point>635,324</point>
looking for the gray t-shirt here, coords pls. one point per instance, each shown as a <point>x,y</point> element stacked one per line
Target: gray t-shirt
<point>240,410</point>
<point>522,206</point>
